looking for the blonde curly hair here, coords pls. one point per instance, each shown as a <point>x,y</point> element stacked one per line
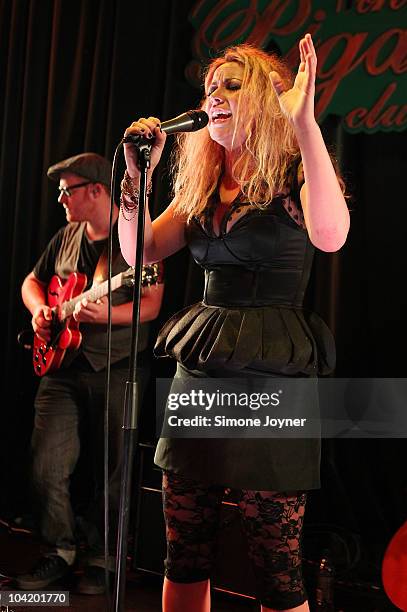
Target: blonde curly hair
<point>262,165</point>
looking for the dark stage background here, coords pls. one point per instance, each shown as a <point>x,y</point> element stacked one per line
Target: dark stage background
<point>73,75</point>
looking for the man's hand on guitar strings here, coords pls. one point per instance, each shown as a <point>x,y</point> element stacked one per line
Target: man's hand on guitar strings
<point>41,321</point>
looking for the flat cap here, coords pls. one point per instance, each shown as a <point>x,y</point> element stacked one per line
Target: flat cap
<point>91,166</point>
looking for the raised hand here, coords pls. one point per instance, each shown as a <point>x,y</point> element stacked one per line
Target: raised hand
<point>297,103</point>
<point>149,128</point>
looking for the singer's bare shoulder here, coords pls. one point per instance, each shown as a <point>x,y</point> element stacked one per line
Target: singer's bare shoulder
<point>168,234</point>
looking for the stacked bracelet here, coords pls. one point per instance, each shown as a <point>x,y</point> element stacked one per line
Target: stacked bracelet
<point>130,196</point>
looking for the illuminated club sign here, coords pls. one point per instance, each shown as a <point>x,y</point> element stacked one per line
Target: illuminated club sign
<point>361,47</point>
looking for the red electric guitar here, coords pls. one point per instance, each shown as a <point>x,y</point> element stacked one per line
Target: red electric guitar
<point>62,298</point>
<point>394,569</point>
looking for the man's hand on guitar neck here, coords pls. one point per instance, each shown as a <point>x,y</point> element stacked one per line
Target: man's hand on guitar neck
<point>41,321</point>
<point>91,312</point>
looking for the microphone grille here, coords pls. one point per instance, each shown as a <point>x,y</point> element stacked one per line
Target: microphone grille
<point>200,119</point>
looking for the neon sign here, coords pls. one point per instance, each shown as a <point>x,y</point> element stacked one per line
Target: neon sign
<point>362,50</point>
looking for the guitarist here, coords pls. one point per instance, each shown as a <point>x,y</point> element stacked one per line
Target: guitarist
<point>74,394</point>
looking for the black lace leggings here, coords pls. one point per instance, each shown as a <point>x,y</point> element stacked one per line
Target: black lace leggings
<point>272,522</point>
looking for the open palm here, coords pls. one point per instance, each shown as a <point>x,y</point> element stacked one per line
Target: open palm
<point>297,103</point>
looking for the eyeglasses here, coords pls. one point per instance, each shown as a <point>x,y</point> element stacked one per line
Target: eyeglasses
<point>69,188</point>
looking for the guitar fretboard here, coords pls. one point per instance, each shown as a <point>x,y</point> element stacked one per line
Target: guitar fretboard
<point>93,294</point>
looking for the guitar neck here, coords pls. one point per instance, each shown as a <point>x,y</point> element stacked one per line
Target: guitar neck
<point>93,294</point>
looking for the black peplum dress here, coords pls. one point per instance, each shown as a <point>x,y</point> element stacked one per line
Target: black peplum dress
<point>251,322</point>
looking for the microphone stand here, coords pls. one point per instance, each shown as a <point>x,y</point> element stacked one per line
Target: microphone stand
<point>132,400</point>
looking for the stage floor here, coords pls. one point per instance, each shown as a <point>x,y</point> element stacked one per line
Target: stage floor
<point>19,550</point>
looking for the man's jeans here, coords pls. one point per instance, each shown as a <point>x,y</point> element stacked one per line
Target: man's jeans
<point>64,400</point>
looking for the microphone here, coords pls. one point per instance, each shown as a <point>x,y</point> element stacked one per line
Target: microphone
<point>191,121</point>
